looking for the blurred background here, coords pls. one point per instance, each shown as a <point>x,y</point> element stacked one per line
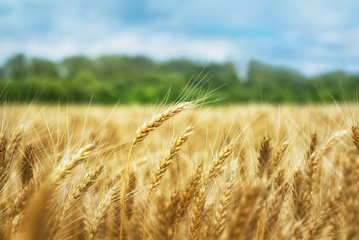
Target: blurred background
<point>139,51</point>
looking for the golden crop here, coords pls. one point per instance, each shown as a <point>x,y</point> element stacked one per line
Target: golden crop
<point>179,172</point>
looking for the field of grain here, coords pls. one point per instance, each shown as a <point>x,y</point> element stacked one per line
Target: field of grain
<point>179,172</point>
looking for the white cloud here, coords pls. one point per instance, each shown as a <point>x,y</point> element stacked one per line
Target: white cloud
<point>160,46</point>
<point>163,46</point>
<point>311,36</point>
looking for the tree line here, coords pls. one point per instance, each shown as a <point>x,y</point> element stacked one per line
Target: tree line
<point>139,79</point>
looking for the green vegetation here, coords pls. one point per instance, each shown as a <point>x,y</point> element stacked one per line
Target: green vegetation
<point>138,79</point>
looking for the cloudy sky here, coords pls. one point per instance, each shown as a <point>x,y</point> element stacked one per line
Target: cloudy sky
<point>312,36</point>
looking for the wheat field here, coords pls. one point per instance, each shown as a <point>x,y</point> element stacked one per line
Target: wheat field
<point>179,172</point>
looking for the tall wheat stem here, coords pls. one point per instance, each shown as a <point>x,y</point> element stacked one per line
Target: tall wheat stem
<point>125,189</point>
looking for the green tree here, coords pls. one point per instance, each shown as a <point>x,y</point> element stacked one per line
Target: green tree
<point>73,65</point>
<point>43,68</point>
<point>16,67</point>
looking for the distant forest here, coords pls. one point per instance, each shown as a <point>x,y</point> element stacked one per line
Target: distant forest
<point>138,79</point>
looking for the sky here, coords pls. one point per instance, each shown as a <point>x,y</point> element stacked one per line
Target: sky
<point>312,36</point>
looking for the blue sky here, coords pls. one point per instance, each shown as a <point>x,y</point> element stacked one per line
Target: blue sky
<point>308,35</point>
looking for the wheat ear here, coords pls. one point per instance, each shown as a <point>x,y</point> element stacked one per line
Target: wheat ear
<point>246,207</point>
<point>81,190</point>
<point>265,154</point>
<point>189,192</point>
<point>158,120</point>
<point>313,165</point>
<point>217,163</point>
<point>18,205</point>
<point>84,186</point>
<point>67,167</point>
<point>298,195</point>
<point>165,216</point>
<point>278,158</point>
<point>8,151</point>
<point>187,196</point>
<point>3,162</point>
<point>166,162</point>
<point>27,164</point>
<point>221,215</point>
<point>60,173</point>
<point>274,210</point>
<point>355,137</point>
<point>312,146</point>
<point>351,188</point>
<point>213,172</point>
<point>101,211</point>
<point>14,142</point>
<point>327,214</point>
<point>164,165</point>
<point>141,133</point>
<point>197,215</point>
